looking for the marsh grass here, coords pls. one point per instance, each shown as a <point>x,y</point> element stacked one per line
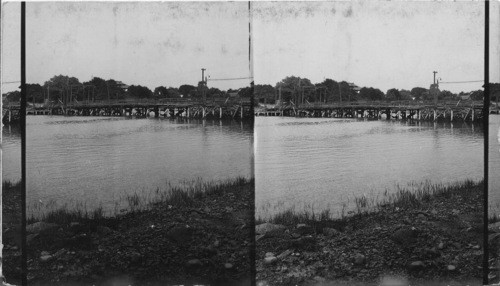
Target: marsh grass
<point>187,194</point>
<point>414,195</point>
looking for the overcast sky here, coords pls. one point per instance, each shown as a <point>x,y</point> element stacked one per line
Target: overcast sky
<point>377,44</point>
<point>389,44</point>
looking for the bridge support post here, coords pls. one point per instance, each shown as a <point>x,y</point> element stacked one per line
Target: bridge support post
<point>157,112</point>
<point>419,114</point>
<point>435,115</point>
<point>220,112</point>
<point>203,112</point>
<point>451,115</point>
<point>472,114</point>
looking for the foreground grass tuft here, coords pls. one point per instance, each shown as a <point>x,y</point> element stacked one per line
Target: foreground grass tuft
<point>414,196</point>
<point>186,195</point>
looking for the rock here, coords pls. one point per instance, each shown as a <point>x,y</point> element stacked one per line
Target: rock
<point>270,260</point>
<point>331,232</point>
<point>31,237</point>
<point>319,279</point>
<point>194,263</point>
<point>359,259</point>
<point>441,246</point>
<point>476,247</point>
<point>304,229</point>
<point>306,243</point>
<point>104,230</point>
<point>228,266</point>
<point>269,229</point>
<point>43,253</point>
<point>180,234</point>
<point>45,258</point>
<point>405,236</point>
<point>284,254</point>
<point>269,254</point>
<point>259,237</point>
<point>41,226</point>
<point>494,227</point>
<point>451,268</point>
<point>416,266</point>
<point>60,252</point>
<point>493,237</point>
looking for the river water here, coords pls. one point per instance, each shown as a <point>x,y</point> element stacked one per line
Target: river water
<point>97,161</point>
<point>320,163</point>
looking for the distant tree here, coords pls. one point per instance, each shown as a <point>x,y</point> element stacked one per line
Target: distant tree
<point>161,92</point>
<point>393,94</point>
<point>114,89</point>
<point>245,92</point>
<point>138,91</point>
<point>213,92</point>
<point>58,86</point>
<point>370,93</point>
<point>173,92</point>
<point>187,90</point>
<point>12,96</point>
<point>34,92</point>
<point>419,93</point>
<point>332,89</point>
<point>477,95</point>
<point>264,93</point>
<point>293,82</point>
<point>446,95</point>
<point>494,92</point>
<point>405,94</point>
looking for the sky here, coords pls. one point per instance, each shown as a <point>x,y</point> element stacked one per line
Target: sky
<point>381,44</point>
<point>151,44</point>
<point>390,44</point>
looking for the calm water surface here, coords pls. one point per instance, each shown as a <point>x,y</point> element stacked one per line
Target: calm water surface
<point>324,163</point>
<point>96,161</point>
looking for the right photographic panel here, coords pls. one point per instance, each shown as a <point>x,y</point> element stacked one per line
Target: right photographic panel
<point>369,143</point>
<point>494,145</point>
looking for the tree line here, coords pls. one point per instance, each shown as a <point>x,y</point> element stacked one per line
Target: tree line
<point>329,90</point>
<point>96,89</point>
<point>292,89</point>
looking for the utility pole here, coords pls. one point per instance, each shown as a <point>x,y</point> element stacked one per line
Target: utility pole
<point>435,72</point>
<point>203,83</point>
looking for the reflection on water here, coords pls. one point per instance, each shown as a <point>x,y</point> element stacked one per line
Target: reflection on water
<point>494,163</point>
<point>325,162</point>
<point>98,161</point>
<point>11,153</point>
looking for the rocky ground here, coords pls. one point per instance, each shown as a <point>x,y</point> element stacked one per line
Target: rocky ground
<point>11,233</point>
<point>494,253</point>
<point>208,241</point>
<point>436,243</point>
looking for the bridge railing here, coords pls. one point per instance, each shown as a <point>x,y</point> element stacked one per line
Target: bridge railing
<point>385,103</point>
<point>162,101</point>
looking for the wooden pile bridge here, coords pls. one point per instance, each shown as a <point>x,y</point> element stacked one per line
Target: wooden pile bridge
<point>403,110</point>
<point>237,108</point>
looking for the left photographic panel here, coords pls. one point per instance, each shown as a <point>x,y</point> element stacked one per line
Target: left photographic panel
<point>11,201</point>
<point>139,143</point>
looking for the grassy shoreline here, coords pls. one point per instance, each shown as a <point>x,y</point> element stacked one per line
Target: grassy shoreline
<point>422,234</point>
<point>415,196</point>
<point>200,234</point>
